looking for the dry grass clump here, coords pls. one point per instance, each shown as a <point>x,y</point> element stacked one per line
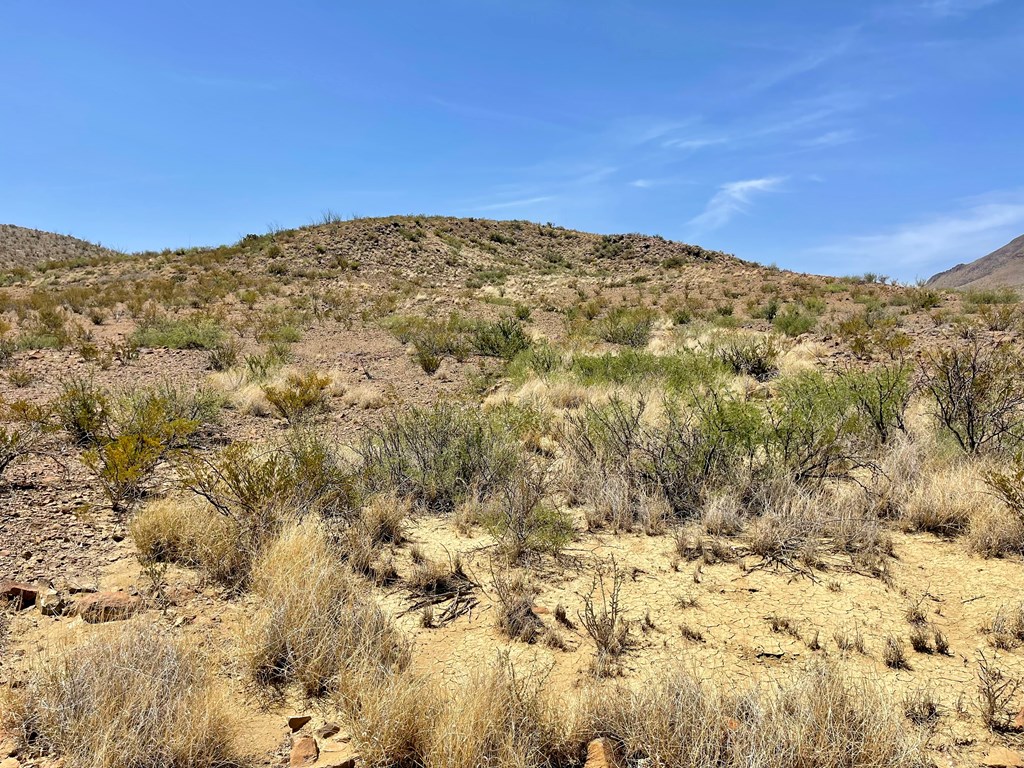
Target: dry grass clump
<point>132,697</point>
<point>817,720</point>
<point>946,500</point>
<point>188,532</point>
<point>503,719</point>
<point>1006,630</point>
<point>314,620</point>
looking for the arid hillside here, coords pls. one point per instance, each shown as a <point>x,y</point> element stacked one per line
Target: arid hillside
<point>26,248</point>
<point>1003,268</point>
<point>443,493</point>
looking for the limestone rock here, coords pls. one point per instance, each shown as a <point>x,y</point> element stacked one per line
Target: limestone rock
<point>107,606</point>
<point>304,752</point>
<point>601,753</point>
<point>1001,757</point>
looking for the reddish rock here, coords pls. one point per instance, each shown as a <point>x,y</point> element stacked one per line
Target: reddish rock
<point>107,606</point>
<point>327,730</point>
<point>304,751</point>
<point>1018,721</point>
<point>20,594</point>
<point>295,722</point>
<point>337,756</point>
<point>1001,757</point>
<point>601,753</point>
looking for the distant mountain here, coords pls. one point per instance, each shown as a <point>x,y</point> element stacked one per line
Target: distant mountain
<point>1003,267</point>
<point>23,247</point>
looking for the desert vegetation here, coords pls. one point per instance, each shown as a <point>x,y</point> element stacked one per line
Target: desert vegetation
<point>498,493</point>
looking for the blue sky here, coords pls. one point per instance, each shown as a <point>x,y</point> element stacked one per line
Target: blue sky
<point>834,137</point>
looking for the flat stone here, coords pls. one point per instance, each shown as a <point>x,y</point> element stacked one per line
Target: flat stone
<point>295,722</point>
<point>337,756</point>
<point>1001,757</point>
<point>304,752</point>
<point>107,606</point>
<point>601,753</point>
<point>19,593</point>
<point>327,730</point>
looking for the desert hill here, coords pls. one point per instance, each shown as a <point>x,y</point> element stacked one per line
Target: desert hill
<point>24,247</point>
<point>1003,267</point>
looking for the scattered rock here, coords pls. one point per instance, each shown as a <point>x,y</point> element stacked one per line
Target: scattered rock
<point>19,593</point>
<point>8,745</point>
<point>327,730</point>
<point>337,756</point>
<point>601,753</point>
<point>295,722</point>
<point>304,751</point>
<point>1001,757</point>
<point>1018,721</point>
<point>52,603</point>
<point>107,606</point>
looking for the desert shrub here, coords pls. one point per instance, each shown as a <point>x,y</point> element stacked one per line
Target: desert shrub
<point>977,391</point>
<point>629,326</point>
<point>881,395</point>
<point>434,338</point>
<point>603,620</point>
<point>300,395</point>
<point>197,332</point>
<point>757,358</point>
<point>679,373</point>
<point>794,321</point>
<point>83,410</point>
<point>693,450</point>
<point>1006,629</point>
<point>540,359</point>
<point>123,465</point>
<point>225,354</point>
<point>129,698</point>
<point>46,328</point>
<point>808,430</point>
<point>816,720</point>
<point>252,485</point>
<point>522,523</point>
<point>504,338</point>
<point>146,425</point>
<point>439,456</point>
<point>314,621</point>
<point>23,432</point>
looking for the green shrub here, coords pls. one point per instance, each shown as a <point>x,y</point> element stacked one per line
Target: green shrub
<point>23,432</point>
<point>793,321</point>
<point>978,393</point>
<point>299,396</point>
<point>757,358</point>
<point>196,332</point>
<point>679,373</point>
<point>504,338</point>
<point>82,410</point>
<point>881,395</point>
<point>628,326</point>
<point>439,456</point>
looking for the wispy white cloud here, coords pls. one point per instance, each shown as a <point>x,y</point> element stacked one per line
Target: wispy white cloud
<point>524,203</point>
<point>954,7</point>
<point>732,198</point>
<point>831,139</point>
<point>922,247</point>
<point>695,144</point>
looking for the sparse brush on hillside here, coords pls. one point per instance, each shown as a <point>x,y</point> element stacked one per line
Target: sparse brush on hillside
<point>129,698</point>
<point>253,487</point>
<point>23,432</point>
<point>439,456</point>
<point>976,388</point>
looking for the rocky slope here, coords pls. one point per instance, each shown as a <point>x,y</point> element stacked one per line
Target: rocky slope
<point>1003,267</point>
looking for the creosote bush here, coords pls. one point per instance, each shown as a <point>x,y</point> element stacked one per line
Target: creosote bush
<point>132,697</point>
<point>439,456</point>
